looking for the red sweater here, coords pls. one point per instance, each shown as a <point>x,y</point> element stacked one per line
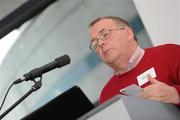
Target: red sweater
<point>166,61</point>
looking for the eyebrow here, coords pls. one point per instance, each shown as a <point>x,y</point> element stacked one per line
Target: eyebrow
<point>101,31</point>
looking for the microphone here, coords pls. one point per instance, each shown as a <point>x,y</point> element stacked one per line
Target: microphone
<point>37,72</point>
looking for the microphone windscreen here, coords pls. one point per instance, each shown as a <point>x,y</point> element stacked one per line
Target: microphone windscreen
<point>63,60</point>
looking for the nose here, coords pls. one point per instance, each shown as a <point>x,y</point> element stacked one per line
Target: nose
<point>101,42</point>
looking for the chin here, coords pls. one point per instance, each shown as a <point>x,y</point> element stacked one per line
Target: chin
<point>110,59</point>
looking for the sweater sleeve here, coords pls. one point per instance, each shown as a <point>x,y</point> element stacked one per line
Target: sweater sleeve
<point>175,67</point>
<point>177,82</point>
<point>177,87</point>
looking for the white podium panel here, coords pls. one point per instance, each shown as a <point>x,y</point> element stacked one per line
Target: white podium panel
<point>130,108</point>
<point>116,111</point>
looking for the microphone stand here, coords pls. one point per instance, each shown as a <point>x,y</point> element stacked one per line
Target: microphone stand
<point>37,85</point>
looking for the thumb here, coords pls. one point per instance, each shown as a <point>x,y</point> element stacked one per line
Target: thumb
<point>152,80</point>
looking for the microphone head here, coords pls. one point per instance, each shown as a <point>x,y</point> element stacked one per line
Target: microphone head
<point>63,60</point>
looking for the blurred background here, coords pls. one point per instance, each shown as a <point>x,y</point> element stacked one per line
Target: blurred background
<point>62,28</point>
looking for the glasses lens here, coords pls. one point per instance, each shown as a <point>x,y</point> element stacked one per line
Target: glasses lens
<point>93,45</point>
<point>105,35</point>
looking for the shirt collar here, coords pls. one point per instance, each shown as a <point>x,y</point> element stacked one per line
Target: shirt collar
<point>133,61</point>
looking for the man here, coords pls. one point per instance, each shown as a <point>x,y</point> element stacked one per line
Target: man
<point>114,40</point>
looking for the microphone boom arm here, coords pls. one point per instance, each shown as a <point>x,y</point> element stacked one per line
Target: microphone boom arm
<point>37,85</point>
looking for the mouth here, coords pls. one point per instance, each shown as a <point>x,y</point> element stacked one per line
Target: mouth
<point>106,51</point>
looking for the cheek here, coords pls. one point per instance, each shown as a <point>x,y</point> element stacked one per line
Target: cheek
<point>99,53</point>
<point>120,45</point>
<point>116,45</point>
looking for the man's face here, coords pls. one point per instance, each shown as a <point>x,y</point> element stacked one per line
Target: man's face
<point>115,46</point>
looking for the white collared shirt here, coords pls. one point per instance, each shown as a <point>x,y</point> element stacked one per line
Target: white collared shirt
<point>134,60</point>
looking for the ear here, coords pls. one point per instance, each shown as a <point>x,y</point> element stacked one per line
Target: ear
<point>130,33</point>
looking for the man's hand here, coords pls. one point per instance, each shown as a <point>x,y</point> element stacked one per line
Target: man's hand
<point>160,91</point>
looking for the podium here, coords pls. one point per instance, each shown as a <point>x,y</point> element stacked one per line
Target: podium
<point>69,105</point>
<point>130,108</point>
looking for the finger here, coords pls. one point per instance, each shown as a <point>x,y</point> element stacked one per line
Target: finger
<point>152,80</point>
<point>146,94</point>
<point>143,95</point>
<point>150,88</point>
<point>153,98</point>
<point>150,96</point>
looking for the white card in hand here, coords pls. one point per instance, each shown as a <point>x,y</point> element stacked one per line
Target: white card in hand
<point>132,90</point>
<point>143,78</point>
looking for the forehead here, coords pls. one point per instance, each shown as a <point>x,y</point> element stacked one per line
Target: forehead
<point>102,24</point>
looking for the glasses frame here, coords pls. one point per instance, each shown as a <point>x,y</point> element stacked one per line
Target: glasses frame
<point>101,36</point>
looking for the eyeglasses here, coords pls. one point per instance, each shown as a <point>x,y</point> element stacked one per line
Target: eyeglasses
<point>104,35</point>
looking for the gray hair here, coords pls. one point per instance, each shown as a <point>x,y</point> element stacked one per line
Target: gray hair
<point>119,21</point>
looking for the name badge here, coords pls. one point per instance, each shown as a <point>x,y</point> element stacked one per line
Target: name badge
<point>143,78</point>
